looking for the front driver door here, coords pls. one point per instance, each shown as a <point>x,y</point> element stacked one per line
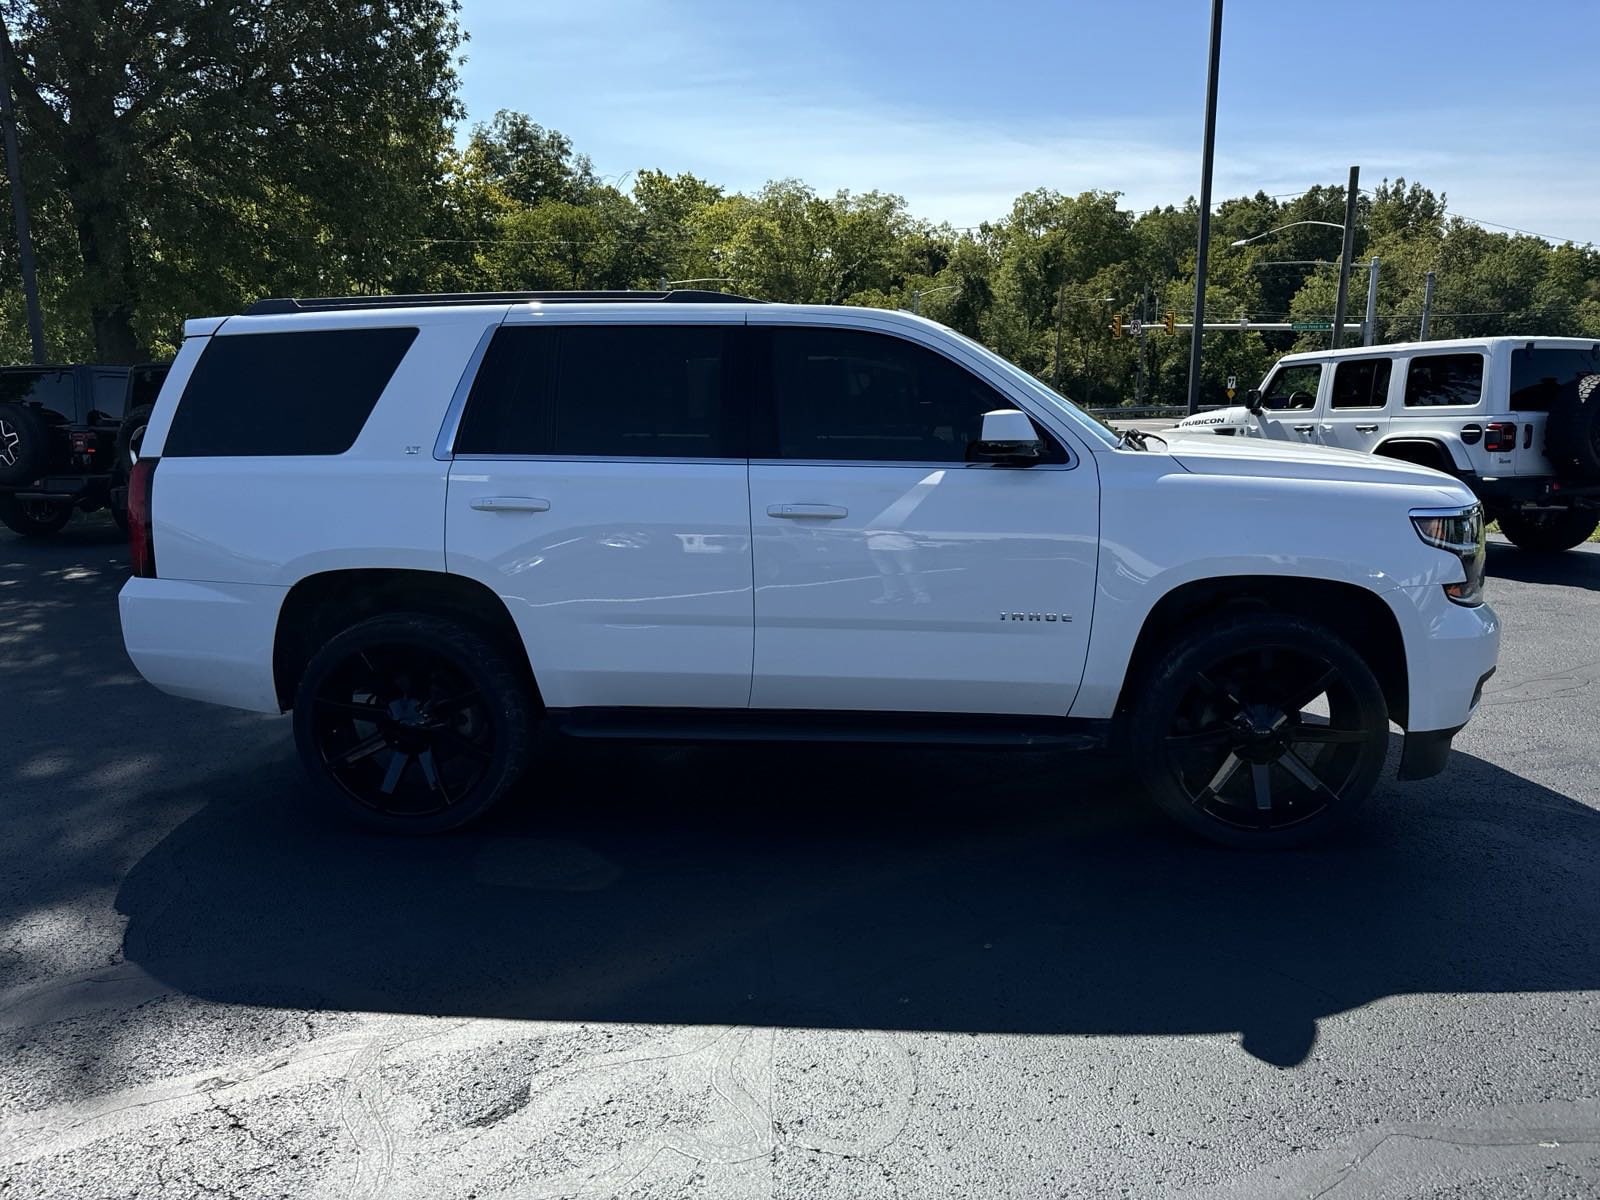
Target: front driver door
<point>1289,401</point>
<point>891,574</point>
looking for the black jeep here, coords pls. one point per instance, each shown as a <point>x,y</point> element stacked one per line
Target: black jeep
<point>68,436</point>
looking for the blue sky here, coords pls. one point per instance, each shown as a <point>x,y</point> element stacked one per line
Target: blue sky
<point>961,106</point>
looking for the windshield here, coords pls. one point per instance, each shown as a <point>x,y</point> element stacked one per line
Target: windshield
<point>1081,420</point>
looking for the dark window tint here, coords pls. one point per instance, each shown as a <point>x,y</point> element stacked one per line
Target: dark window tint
<point>844,394</point>
<point>284,393</point>
<point>146,385</point>
<point>110,395</point>
<point>1293,387</point>
<point>1539,377</point>
<point>1444,379</point>
<point>1361,384</point>
<point>52,389</point>
<point>604,391</point>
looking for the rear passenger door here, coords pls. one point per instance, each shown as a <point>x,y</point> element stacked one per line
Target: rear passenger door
<point>599,487</point>
<point>1357,416</point>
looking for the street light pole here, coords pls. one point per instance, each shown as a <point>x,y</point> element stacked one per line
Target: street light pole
<point>1371,325</point>
<point>1344,256</point>
<point>1427,306</point>
<point>1207,153</point>
<point>19,200</point>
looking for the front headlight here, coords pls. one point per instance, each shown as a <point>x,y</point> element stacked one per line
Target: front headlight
<point>1460,531</point>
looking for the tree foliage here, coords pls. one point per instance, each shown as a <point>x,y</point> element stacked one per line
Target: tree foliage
<point>187,156</point>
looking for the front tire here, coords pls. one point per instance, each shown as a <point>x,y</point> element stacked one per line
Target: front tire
<point>411,724</point>
<point>34,518</point>
<point>1550,532</point>
<point>1225,745</point>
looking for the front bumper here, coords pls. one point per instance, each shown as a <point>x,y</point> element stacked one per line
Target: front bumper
<point>1450,654</point>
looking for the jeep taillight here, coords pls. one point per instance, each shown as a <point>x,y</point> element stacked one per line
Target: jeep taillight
<point>141,535</point>
<point>1500,436</point>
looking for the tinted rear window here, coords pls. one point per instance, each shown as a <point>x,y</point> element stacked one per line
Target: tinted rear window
<point>52,389</point>
<point>1444,379</point>
<point>284,393</point>
<point>1539,377</point>
<point>604,391</point>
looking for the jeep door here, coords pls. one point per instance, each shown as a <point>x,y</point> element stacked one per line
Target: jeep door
<point>599,488</point>
<point>1289,402</point>
<point>1356,416</point>
<point>891,573</point>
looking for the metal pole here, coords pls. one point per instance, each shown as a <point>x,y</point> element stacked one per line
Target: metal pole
<point>1061,316</point>
<point>19,201</point>
<point>1369,332</point>
<point>1427,306</point>
<point>1144,319</point>
<point>1210,143</point>
<point>916,301</point>
<point>1339,308</point>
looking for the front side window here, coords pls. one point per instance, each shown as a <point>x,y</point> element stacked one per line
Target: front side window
<point>848,395</point>
<point>1362,383</point>
<point>604,391</point>
<point>284,393</point>
<point>1540,376</point>
<point>1292,388</point>
<point>1435,380</point>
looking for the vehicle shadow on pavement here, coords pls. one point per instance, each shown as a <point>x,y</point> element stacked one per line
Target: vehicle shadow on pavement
<point>1020,892</point>
<point>1578,568</point>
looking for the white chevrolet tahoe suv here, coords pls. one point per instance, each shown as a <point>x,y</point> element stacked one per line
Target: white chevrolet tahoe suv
<point>1516,419</point>
<point>429,524</point>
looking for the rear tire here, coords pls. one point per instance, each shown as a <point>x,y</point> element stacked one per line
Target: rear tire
<point>1572,436</point>
<point>1222,742</point>
<point>130,436</point>
<point>24,445</point>
<point>411,724</point>
<point>34,518</point>
<point>1550,532</point>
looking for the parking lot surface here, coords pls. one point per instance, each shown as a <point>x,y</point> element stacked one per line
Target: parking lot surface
<point>800,972</point>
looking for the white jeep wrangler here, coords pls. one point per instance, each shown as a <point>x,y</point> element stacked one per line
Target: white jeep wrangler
<point>1515,419</point>
<point>429,524</point>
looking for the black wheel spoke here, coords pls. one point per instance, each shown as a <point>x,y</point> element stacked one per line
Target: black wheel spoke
<point>367,712</point>
<point>1306,693</point>
<point>1204,739</point>
<point>397,768</point>
<point>456,741</point>
<point>1217,691</point>
<point>430,772</point>
<point>363,749</point>
<point>451,704</point>
<point>1302,732</point>
<point>1261,785</point>
<point>1301,770</point>
<point>1229,768</point>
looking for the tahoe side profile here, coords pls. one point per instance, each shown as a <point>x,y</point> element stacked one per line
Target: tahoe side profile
<point>430,525</point>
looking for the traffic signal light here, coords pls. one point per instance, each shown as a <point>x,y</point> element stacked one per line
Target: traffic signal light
<point>1172,319</point>
<point>1116,325</point>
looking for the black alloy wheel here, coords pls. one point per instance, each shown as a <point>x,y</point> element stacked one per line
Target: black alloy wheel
<point>34,518</point>
<point>1261,731</point>
<point>412,724</point>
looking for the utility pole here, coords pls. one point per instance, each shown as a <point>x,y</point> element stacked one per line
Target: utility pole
<point>1207,151</point>
<point>1351,192</point>
<point>1144,319</point>
<point>1061,316</point>
<point>1427,306</point>
<point>19,200</point>
<point>1369,333</point>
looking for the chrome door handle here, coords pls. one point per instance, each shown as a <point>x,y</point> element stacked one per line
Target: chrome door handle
<point>825,512</point>
<point>1302,428</point>
<point>510,504</point>
<point>1366,429</point>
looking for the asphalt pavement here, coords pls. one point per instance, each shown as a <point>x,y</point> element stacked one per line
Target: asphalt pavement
<point>800,972</point>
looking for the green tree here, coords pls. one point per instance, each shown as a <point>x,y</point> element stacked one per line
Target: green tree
<point>199,147</point>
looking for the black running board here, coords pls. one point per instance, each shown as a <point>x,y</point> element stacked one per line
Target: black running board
<point>745,725</point>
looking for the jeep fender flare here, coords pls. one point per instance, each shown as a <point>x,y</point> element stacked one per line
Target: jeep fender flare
<point>1443,452</point>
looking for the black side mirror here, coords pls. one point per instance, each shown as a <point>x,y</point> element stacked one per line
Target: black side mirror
<point>1252,400</point>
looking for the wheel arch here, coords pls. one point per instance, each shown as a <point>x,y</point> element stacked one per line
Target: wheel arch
<point>1435,452</point>
<point>1358,615</point>
<point>320,606</point>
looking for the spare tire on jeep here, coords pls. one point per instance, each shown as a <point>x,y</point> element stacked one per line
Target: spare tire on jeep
<point>1572,438</point>
<point>24,445</point>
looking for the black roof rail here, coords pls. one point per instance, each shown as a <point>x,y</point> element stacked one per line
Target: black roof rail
<point>273,307</point>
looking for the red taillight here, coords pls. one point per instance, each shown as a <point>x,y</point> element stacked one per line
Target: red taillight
<point>141,536</point>
<point>1500,436</point>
